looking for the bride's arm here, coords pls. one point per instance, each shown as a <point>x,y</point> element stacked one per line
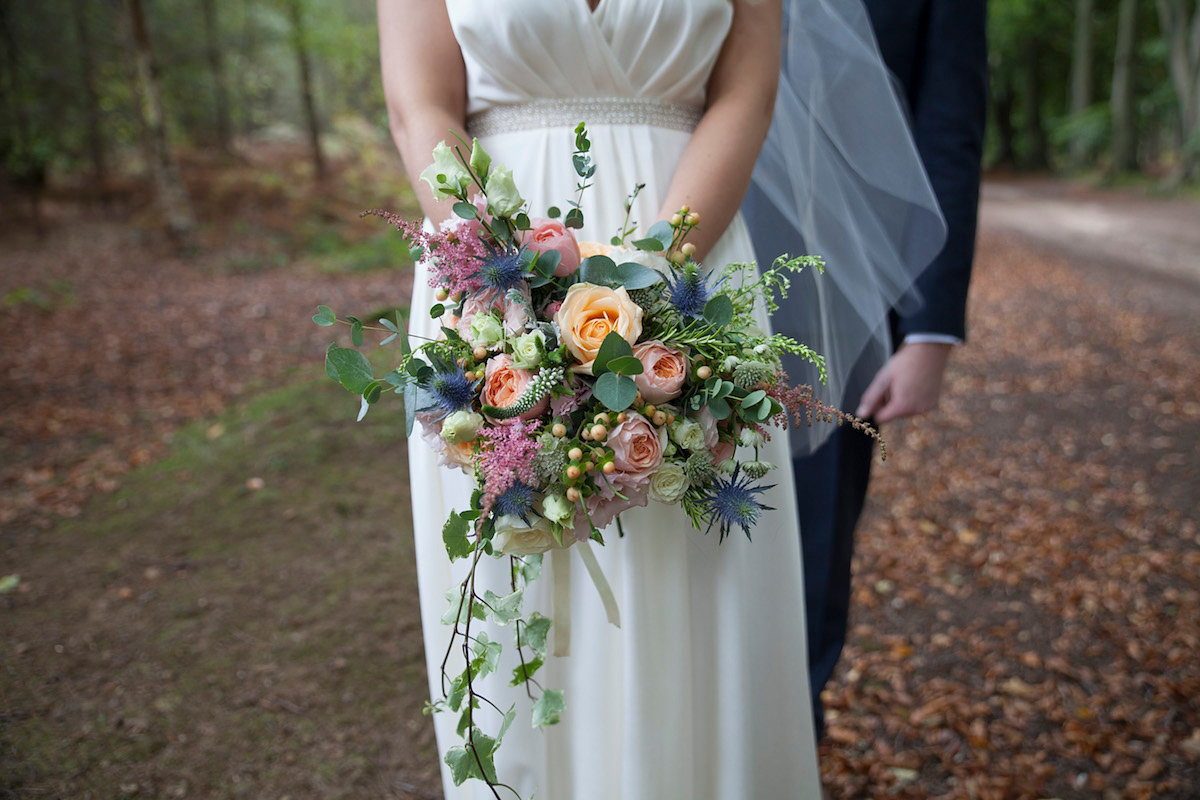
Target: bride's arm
<point>425,85</point>
<point>715,169</point>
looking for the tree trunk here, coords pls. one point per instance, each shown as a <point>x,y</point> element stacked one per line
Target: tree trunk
<point>300,42</point>
<point>87,74</point>
<point>1036,154</point>
<point>1003,105</point>
<point>170,190</point>
<point>1124,140</point>
<point>216,65</point>
<point>1081,78</point>
<point>1182,35</point>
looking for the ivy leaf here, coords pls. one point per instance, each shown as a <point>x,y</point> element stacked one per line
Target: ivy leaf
<point>614,346</point>
<point>349,367</point>
<point>458,690</point>
<point>530,568</point>
<point>718,311</point>
<point>454,534</point>
<point>464,761</point>
<point>509,716</point>
<point>523,672</point>
<point>548,708</point>
<point>504,609</point>
<point>535,631</point>
<point>324,316</point>
<point>616,392</point>
<point>487,656</point>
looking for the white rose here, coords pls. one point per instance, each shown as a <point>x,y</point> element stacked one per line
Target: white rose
<point>687,433</point>
<point>559,510</point>
<point>669,483</point>
<point>622,255</point>
<point>528,350</point>
<point>461,426</point>
<point>484,331</point>
<point>502,194</point>
<point>516,538</point>
<point>446,165</point>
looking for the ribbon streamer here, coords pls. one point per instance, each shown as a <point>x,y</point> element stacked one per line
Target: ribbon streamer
<point>560,565</point>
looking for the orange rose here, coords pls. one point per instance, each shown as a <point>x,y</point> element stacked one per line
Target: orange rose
<point>589,313</point>
<point>503,385</point>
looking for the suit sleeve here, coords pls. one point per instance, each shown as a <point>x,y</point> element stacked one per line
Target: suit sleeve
<point>949,101</point>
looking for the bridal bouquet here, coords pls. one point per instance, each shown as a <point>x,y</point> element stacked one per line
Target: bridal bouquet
<point>573,380</point>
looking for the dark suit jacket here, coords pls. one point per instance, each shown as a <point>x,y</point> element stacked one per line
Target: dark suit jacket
<point>937,49</point>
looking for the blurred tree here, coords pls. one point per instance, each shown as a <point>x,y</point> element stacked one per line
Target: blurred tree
<point>170,190</point>
<point>1081,77</point>
<point>1124,139</point>
<point>1180,20</point>
<point>216,64</point>
<point>300,43</point>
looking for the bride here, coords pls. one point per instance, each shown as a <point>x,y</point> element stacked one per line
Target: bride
<point>702,693</point>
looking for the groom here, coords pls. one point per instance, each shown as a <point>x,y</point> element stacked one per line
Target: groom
<point>936,50</point>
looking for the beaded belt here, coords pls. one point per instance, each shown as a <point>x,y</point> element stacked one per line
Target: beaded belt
<point>569,112</point>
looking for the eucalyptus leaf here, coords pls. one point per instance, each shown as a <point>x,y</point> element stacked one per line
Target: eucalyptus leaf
<point>613,346</point>
<point>617,392</point>
<point>372,392</point>
<point>719,408</point>
<point>754,397</point>
<point>553,212</point>
<point>626,365</point>
<point>436,310</point>
<point>324,316</point>
<point>356,332</point>
<point>718,311</point>
<point>574,219</point>
<point>349,367</point>
<point>603,271</point>
<point>661,232</point>
<point>466,210</point>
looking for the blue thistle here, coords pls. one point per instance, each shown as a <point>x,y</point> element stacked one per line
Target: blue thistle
<point>734,501</point>
<point>502,270</point>
<point>449,391</point>
<point>688,290</point>
<point>516,500</point>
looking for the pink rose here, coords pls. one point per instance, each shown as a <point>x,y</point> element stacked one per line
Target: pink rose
<point>516,315</point>
<point>467,228</point>
<point>664,370</point>
<point>604,506</point>
<point>546,235</point>
<point>708,424</point>
<point>637,449</point>
<point>504,384</point>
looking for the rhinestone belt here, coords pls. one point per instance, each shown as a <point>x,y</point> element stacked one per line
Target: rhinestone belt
<point>592,110</point>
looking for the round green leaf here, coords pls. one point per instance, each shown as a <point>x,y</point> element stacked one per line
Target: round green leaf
<point>616,392</point>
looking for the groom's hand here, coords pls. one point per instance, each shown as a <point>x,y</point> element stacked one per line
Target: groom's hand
<point>908,384</point>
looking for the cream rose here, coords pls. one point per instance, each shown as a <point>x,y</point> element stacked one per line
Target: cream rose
<point>461,426</point>
<point>654,261</point>
<point>546,235</point>
<point>504,384</point>
<point>515,537</point>
<point>637,448</point>
<point>669,483</point>
<point>687,433</point>
<point>589,313</point>
<point>664,370</point>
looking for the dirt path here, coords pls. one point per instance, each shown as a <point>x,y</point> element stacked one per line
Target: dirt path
<point>1122,228</point>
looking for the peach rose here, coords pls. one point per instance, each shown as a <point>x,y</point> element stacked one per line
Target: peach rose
<point>460,455</point>
<point>589,313</point>
<point>503,385</point>
<point>637,449</point>
<point>664,370</point>
<point>548,234</point>
<point>589,249</point>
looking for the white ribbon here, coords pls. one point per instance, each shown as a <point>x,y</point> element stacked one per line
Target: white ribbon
<point>560,564</point>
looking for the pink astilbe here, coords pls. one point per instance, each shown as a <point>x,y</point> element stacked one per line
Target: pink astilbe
<point>453,253</point>
<point>507,457</point>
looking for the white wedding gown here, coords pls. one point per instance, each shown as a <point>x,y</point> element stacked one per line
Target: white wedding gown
<point>702,693</point>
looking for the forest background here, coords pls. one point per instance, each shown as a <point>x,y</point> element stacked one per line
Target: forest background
<point>205,566</point>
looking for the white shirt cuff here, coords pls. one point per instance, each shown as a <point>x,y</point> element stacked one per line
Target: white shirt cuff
<point>934,338</point>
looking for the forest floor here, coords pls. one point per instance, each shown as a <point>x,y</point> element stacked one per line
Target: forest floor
<point>213,590</point>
